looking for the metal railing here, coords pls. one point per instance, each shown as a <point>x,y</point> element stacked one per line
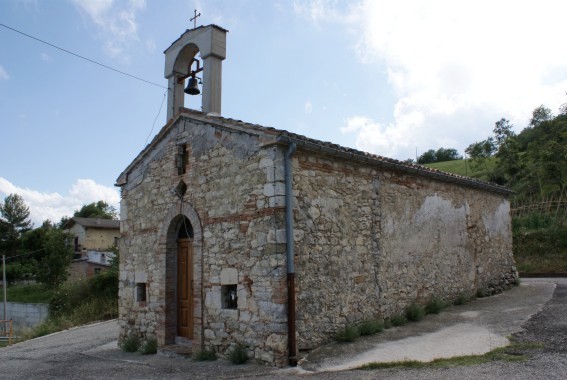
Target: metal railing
<point>6,334</point>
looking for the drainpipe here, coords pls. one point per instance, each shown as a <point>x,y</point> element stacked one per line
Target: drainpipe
<point>292,347</point>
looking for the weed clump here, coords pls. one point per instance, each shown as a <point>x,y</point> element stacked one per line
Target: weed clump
<point>435,305</point>
<point>398,320</point>
<point>131,344</point>
<point>348,334</point>
<point>415,312</point>
<point>238,355</point>
<point>204,356</point>
<point>370,327</point>
<point>461,300</point>
<point>481,293</point>
<point>149,347</point>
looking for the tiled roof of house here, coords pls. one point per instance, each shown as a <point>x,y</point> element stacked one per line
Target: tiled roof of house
<point>303,142</point>
<point>93,223</point>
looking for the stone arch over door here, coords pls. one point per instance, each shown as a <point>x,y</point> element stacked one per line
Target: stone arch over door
<point>169,241</point>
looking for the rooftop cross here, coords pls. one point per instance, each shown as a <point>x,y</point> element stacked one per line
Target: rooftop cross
<point>194,19</point>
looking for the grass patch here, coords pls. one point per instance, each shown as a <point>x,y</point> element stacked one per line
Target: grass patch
<point>370,327</point>
<point>465,168</point>
<point>348,334</point>
<point>78,303</point>
<point>204,355</point>
<point>131,344</point>
<point>415,312</point>
<point>238,355</point>
<point>33,293</point>
<point>149,347</point>
<point>512,353</point>
<point>435,305</point>
<point>540,244</point>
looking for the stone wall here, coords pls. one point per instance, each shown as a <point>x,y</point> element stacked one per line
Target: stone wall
<point>370,242</point>
<point>234,201</point>
<point>335,234</point>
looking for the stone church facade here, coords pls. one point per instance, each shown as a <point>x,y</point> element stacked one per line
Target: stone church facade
<point>238,234</point>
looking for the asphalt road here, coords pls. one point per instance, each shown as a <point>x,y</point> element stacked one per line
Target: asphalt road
<point>90,352</point>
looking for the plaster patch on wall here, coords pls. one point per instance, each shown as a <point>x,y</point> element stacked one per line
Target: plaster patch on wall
<point>498,223</point>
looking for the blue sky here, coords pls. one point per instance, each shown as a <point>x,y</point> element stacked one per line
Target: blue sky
<point>381,76</point>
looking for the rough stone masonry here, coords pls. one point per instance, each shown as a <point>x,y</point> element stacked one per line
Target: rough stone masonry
<point>371,236</point>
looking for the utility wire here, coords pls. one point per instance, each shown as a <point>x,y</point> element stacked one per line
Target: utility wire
<point>24,254</point>
<point>80,56</point>
<point>154,123</point>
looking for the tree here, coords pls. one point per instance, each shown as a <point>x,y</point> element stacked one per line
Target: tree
<point>449,154</point>
<point>479,152</point>
<point>539,115</point>
<point>14,221</point>
<point>99,209</point>
<point>441,155</point>
<point>56,257</point>
<point>427,157</point>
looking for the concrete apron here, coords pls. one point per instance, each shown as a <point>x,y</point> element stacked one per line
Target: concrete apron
<point>472,329</point>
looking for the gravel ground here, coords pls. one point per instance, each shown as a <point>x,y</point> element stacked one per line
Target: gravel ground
<point>548,327</point>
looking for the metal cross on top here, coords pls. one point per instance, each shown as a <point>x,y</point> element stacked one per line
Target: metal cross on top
<point>194,19</point>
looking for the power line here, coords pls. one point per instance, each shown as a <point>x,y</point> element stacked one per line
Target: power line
<point>25,254</point>
<point>154,123</point>
<point>82,57</point>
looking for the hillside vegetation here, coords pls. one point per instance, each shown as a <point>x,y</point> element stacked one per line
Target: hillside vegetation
<point>533,164</point>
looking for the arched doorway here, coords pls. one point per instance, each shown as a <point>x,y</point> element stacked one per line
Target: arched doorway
<point>182,239</point>
<point>185,288</point>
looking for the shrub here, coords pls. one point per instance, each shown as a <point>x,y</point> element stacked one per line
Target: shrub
<point>370,327</point>
<point>238,355</point>
<point>131,344</point>
<point>480,293</point>
<point>348,334</point>
<point>434,306</point>
<point>204,355</point>
<point>415,312</point>
<point>149,347</point>
<point>398,320</point>
<point>387,323</point>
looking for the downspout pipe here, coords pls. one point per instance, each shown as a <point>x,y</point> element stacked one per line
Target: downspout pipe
<point>292,345</point>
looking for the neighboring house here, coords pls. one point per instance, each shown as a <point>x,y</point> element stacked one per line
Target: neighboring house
<point>238,234</point>
<point>93,239</point>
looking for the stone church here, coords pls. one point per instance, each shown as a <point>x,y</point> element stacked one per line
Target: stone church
<point>237,234</point>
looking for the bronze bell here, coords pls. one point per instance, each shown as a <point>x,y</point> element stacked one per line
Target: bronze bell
<point>192,87</point>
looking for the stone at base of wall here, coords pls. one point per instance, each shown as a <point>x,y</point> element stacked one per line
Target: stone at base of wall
<point>507,280</point>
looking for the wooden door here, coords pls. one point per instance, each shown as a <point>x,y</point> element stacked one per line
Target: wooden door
<point>185,288</point>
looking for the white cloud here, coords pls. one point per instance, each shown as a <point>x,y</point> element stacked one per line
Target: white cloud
<point>308,106</point>
<point>455,68</point>
<point>151,46</point>
<point>319,11</point>
<point>3,74</point>
<point>54,206</point>
<point>116,21</point>
<point>45,57</point>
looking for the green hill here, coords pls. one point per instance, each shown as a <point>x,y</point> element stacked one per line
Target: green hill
<point>463,167</point>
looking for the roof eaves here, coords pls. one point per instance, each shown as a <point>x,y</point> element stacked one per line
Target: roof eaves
<point>364,157</point>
